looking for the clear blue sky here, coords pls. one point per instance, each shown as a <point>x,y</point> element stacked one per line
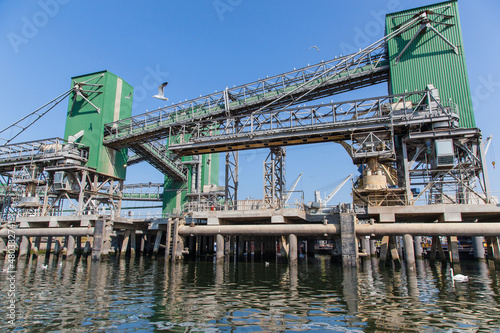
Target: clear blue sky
<point>203,46</point>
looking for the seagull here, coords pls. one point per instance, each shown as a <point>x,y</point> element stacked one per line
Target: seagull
<point>314,47</point>
<point>459,277</point>
<point>128,96</point>
<point>160,91</point>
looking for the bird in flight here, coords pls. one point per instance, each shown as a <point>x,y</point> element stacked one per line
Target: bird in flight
<point>314,47</point>
<point>160,92</point>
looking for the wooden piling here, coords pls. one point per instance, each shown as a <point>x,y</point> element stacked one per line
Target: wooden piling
<point>24,247</point>
<point>293,249</point>
<point>409,252</point>
<point>156,248</point>
<point>453,249</point>
<point>70,246</point>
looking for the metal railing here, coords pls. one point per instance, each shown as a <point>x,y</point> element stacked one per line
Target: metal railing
<point>394,110</point>
<point>251,97</point>
<point>40,149</point>
<point>240,205</point>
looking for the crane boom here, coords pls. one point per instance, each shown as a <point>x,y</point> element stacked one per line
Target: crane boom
<point>335,190</point>
<point>293,188</point>
<point>487,143</point>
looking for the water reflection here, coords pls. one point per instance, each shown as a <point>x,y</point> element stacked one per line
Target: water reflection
<point>145,294</point>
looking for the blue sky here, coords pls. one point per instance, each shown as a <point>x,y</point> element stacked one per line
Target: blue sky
<point>203,46</point>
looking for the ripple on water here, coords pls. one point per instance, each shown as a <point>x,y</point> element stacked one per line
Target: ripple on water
<point>144,295</point>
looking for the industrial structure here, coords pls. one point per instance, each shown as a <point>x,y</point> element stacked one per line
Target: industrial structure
<point>420,155</point>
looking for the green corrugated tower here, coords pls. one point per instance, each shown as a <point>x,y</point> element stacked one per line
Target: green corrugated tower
<point>176,193</point>
<point>434,55</point>
<point>99,98</point>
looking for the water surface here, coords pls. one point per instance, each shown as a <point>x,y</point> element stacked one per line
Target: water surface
<point>143,294</point>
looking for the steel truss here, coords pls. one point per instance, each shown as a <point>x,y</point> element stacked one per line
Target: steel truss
<point>464,181</point>
<point>280,91</point>
<point>366,67</point>
<point>231,180</point>
<point>274,178</point>
<point>47,178</point>
<point>364,122</point>
<point>143,192</point>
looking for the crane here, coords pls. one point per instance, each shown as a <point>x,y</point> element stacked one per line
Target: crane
<point>323,203</point>
<point>289,193</point>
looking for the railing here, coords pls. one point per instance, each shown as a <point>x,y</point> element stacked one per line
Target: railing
<point>255,96</point>
<point>279,91</point>
<point>40,149</point>
<point>391,109</point>
<point>146,191</point>
<point>162,154</point>
<point>240,205</point>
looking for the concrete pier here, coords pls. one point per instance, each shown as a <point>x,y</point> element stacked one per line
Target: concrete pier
<point>409,252</point>
<point>418,247</point>
<point>220,247</point>
<point>293,250</point>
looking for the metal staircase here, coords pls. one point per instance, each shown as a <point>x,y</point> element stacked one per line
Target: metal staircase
<point>159,157</point>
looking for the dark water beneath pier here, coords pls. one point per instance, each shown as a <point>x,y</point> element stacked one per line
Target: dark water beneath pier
<point>143,294</point>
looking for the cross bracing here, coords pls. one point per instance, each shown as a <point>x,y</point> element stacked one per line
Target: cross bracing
<point>310,124</point>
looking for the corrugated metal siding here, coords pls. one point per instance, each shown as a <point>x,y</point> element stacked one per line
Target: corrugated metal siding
<point>430,60</point>
<point>83,116</point>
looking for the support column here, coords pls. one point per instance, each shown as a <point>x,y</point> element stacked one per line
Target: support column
<point>227,246</point>
<point>394,251</point>
<point>142,241</point>
<point>241,246</point>
<point>156,248</point>
<point>24,248</point>
<point>274,177</point>
<point>175,239</point>
<point>384,250</point>
<point>453,249</point>
<point>373,247</point>
<point>99,236</point>
<point>57,246</point>
<point>48,248</point>
<point>179,249</point>
<point>409,252</point>
<point>495,250</point>
<point>78,244</point>
<point>3,245</point>
<point>310,247</point>
<point>133,243</point>
<point>169,239</point>
<point>87,247</point>
<point>285,247</point>
<point>419,252</point>
<point>365,245</point>
<point>231,194</point>
<point>35,246</point>
<point>477,245</point>
<point>348,239</point>
<point>71,246</point>
<point>220,247</point>
<point>126,239</point>
<point>293,253</point>
<point>436,246</point>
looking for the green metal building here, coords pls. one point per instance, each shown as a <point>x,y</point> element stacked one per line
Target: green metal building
<point>175,194</point>
<point>100,98</point>
<point>431,53</point>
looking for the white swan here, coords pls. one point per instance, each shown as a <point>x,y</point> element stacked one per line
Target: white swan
<point>459,277</point>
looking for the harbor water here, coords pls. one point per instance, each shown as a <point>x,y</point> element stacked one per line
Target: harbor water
<point>150,295</point>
